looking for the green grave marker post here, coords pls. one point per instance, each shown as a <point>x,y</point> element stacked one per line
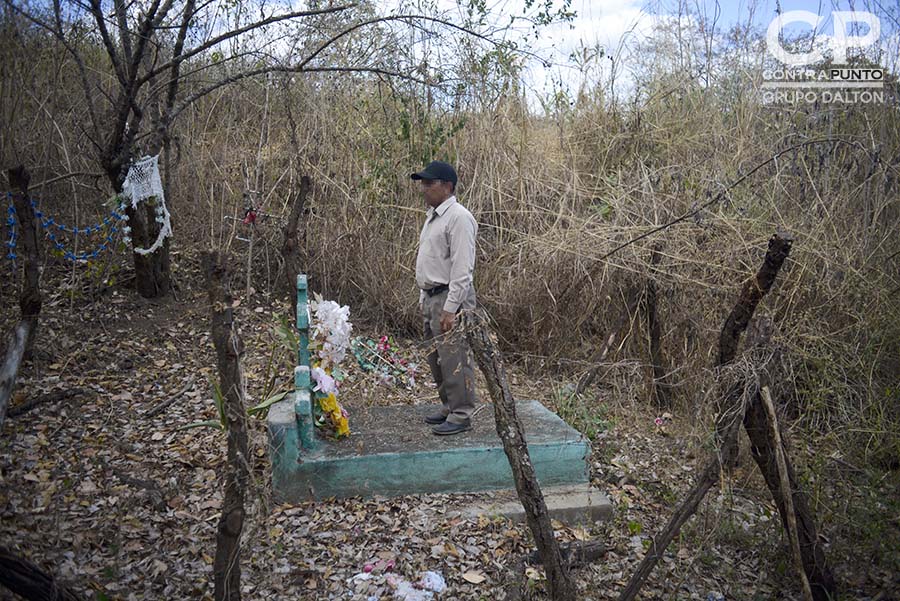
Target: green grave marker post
<point>302,385</point>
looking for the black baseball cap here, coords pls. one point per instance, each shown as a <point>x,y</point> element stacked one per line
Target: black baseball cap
<point>437,170</point>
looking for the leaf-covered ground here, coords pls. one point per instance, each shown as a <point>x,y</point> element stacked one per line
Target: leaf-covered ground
<point>120,505</point>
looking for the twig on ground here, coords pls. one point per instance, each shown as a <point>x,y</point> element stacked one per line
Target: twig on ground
<point>50,397</point>
<point>168,402</point>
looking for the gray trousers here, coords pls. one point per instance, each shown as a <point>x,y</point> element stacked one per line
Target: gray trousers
<point>450,360</point>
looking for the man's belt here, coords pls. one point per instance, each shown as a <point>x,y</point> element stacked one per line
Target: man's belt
<point>437,289</point>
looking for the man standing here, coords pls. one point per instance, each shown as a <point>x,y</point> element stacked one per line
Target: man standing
<point>444,268</point>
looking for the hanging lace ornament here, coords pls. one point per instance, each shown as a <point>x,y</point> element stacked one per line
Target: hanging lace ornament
<point>141,183</point>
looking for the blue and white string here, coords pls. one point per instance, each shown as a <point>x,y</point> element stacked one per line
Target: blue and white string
<point>52,228</point>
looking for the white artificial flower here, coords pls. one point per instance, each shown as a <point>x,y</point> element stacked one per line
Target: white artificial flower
<point>331,328</point>
<point>324,383</point>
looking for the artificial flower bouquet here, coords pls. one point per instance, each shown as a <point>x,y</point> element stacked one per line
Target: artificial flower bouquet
<point>383,358</point>
<point>329,340</point>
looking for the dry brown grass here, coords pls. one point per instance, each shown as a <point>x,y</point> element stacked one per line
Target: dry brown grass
<point>552,194</point>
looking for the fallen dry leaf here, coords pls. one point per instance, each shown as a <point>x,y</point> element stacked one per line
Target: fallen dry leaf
<point>474,577</point>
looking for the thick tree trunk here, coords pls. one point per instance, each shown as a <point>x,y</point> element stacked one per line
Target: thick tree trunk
<point>731,407</point>
<point>152,272</point>
<point>22,337</point>
<point>510,431</point>
<point>229,349</point>
<point>29,581</point>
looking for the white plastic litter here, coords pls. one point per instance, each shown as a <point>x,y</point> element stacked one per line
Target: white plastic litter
<point>433,581</point>
<point>407,592</point>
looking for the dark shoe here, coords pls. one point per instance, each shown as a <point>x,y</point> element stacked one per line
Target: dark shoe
<point>449,428</point>
<point>435,418</point>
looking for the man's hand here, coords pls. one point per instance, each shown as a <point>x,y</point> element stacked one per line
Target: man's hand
<point>447,321</point>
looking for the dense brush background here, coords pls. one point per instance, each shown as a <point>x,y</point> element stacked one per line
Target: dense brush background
<point>555,182</point>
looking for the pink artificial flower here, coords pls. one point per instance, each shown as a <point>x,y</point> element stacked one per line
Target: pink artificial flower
<point>658,421</point>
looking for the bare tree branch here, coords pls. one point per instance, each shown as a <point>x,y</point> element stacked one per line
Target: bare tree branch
<point>57,33</point>
<point>124,34</point>
<point>361,24</point>
<point>236,32</point>
<point>575,287</point>
<point>97,11</point>
<point>286,69</point>
<point>162,128</point>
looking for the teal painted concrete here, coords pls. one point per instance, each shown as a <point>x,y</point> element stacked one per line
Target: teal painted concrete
<point>303,320</point>
<point>392,452</point>
<point>395,454</point>
<point>303,409</point>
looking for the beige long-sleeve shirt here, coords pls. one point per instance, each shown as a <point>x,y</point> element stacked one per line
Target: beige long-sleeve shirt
<point>447,252</point>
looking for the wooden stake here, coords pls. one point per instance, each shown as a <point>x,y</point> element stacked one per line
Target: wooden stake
<point>786,492</point>
<point>22,337</point>
<point>229,349</point>
<point>510,431</point>
<point>728,420</point>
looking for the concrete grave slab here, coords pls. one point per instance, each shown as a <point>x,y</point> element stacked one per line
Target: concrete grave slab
<point>573,504</point>
<point>392,452</point>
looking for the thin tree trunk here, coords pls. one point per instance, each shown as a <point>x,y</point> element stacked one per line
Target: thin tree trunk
<point>30,297</point>
<point>818,574</point>
<point>510,431</point>
<point>785,489</point>
<point>30,581</point>
<point>731,410</point>
<point>290,243</point>
<point>620,332</point>
<point>22,337</point>
<point>661,388</point>
<point>708,477</point>
<point>229,349</point>
<point>588,378</point>
<point>290,246</point>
